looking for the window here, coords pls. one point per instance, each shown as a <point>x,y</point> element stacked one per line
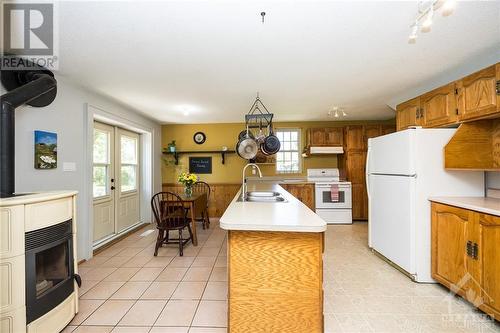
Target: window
<point>288,158</point>
<point>128,165</point>
<point>102,162</point>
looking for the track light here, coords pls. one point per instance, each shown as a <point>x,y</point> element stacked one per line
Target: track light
<point>412,39</point>
<point>427,23</point>
<point>425,16</point>
<point>448,7</point>
<point>343,113</point>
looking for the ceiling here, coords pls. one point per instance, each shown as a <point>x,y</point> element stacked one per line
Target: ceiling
<point>204,61</point>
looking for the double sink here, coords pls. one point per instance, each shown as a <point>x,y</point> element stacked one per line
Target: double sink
<point>262,196</point>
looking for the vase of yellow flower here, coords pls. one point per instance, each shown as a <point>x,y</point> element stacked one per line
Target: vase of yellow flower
<point>188,179</point>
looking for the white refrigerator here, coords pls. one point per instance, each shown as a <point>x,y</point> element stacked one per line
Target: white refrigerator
<point>403,170</point>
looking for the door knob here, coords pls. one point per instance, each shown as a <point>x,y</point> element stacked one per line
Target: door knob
<point>112,187</point>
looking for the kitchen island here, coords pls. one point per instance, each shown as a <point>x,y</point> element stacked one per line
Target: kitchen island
<point>275,266</point>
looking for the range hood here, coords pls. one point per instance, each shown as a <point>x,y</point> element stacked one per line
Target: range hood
<point>317,150</point>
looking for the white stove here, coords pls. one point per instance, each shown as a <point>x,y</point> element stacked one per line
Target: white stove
<point>333,198</point>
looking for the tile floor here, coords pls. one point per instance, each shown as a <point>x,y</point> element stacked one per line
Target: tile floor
<point>126,289</point>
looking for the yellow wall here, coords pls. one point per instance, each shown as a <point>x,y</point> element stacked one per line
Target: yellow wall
<point>226,134</point>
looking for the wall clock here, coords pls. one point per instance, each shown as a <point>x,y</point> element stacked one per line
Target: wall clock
<point>199,137</point>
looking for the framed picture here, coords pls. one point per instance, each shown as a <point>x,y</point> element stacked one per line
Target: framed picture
<point>45,150</point>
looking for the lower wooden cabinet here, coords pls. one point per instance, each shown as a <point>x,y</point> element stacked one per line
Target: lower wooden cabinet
<point>466,255</point>
<point>359,202</point>
<point>303,192</point>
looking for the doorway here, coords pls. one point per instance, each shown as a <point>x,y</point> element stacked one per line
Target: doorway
<point>115,182</point>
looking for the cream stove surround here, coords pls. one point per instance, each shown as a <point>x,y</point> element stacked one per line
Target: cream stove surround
<point>20,215</point>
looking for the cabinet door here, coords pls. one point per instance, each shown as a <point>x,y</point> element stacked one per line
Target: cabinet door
<point>371,131</point>
<point>477,96</point>
<point>439,106</point>
<point>356,161</point>
<point>490,261</point>
<point>449,226</point>
<point>308,196</point>
<point>334,136</point>
<point>354,138</point>
<point>408,114</point>
<point>387,129</point>
<point>317,137</point>
<point>359,210</point>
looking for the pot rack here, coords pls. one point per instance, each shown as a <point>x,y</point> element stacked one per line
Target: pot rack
<point>258,116</point>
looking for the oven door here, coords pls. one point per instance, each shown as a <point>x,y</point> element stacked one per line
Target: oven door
<point>324,196</point>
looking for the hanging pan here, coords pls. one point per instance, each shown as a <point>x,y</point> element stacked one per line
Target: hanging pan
<point>247,146</point>
<point>271,144</point>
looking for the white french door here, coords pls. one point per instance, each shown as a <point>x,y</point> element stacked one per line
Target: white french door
<point>116,173</point>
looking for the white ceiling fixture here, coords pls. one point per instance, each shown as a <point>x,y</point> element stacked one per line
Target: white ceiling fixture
<point>425,14</point>
<point>337,112</point>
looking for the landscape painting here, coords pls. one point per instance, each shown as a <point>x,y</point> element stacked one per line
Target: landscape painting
<point>45,150</point>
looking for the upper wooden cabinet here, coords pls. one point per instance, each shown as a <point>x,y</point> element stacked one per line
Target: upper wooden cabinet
<point>408,114</point>
<point>478,93</point>
<point>439,107</point>
<point>354,137</point>
<point>325,136</point>
<point>474,97</point>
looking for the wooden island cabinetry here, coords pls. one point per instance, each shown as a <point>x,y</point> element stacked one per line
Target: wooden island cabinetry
<point>466,255</point>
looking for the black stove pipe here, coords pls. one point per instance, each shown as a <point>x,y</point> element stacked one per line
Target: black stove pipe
<point>39,85</point>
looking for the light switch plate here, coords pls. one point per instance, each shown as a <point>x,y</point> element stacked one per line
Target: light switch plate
<point>69,166</point>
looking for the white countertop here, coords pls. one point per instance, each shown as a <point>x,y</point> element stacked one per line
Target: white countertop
<point>35,197</point>
<point>291,216</point>
<point>479,204</point>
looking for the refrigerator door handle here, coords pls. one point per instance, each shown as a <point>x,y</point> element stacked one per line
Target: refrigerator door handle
<point>367,174</point>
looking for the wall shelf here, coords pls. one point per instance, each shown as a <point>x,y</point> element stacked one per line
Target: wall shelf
<point>193,152</point>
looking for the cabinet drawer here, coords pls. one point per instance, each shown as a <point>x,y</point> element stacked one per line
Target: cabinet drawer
<point>11,231</point>
<point>11,283</point>
<point>13,321</point>
<point>489,220</point>
<point>44,214</point>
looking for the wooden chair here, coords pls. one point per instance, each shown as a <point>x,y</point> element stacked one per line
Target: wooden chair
<point>202,187</point>
<point>169,214</point>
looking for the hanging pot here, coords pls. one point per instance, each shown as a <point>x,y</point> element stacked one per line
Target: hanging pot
<point>271,144</point>
<point>247,146</point>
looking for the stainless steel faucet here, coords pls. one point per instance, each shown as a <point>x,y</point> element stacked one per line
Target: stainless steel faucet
<point>244,182</point>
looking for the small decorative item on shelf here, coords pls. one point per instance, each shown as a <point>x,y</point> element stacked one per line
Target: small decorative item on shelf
<point>171,146</point>
<point>188,179</point>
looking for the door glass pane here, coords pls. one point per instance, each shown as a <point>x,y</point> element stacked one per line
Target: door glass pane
<point>100,181</point>
<point>128,150</point>
<point>128,178</point>
<point>51,268</point>
<point>101,146</point>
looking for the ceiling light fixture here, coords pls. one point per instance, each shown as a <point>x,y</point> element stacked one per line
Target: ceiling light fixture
<point>337,112</point>
<point>427,23</point>
<point>425,16</point>
<point>449,7</point>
